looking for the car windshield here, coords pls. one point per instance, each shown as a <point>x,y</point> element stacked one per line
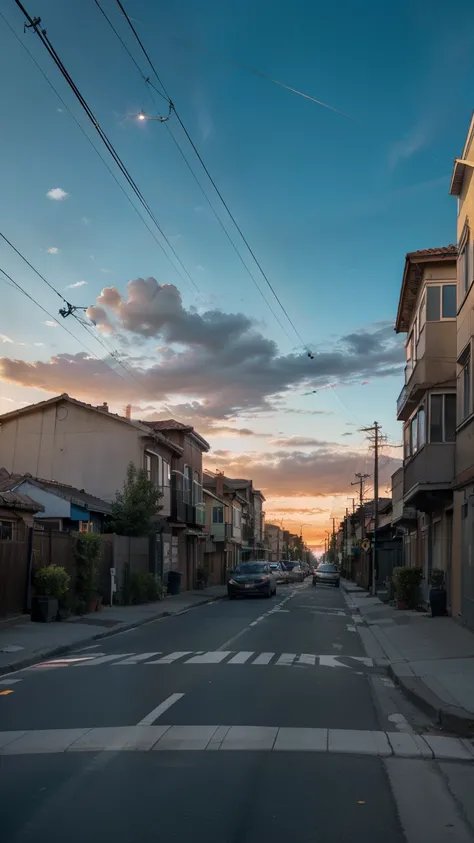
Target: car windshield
<point>250,568</point>
<point>274,566</point>
<point>292,564</point>
<point>327,569</point>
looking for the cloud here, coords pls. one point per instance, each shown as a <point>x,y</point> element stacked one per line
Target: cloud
<point>57,193</point>
<point>105,270</point>
<point>50,324</point>
<point>38,344</point>
<point>86,220</point>
<point>299,442</point>
<point>5,339</point>
<point>308,412</point>
<point>412,142</point>
<point>77,284</point>
<point>53,250</point>
<point>296,510</point>
<point>347,434</point>
<point>219,363</point>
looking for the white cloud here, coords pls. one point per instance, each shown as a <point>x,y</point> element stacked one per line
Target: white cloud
<point>57,193</point>
<point>38,344</point>
<point>50,324</point>
<point>77,284</point>
<point>4,338</point>
<point>53,250</point>
<point>86,220</point>
<point>106,271</point>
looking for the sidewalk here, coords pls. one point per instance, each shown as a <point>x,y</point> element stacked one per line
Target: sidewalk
<point>23,643</point>
<point>432,659</point>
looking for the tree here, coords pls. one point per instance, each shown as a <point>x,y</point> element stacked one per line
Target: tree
<point>136,505</point>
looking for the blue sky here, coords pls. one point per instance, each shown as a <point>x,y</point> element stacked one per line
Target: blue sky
<point>329,204</point>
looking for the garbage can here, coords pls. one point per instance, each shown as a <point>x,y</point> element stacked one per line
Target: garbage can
<point>174,582</point>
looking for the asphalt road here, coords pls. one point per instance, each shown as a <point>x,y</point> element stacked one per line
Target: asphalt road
<point>293,661</point>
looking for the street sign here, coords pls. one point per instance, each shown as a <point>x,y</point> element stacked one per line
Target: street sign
<point>365,544</point>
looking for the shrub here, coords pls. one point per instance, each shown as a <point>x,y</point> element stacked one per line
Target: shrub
<point>407,583</point>
<point>143,587</point>
<point>437,578</point>
<point>87,551</point>
<point>202,575</point>
<point>52,581</point>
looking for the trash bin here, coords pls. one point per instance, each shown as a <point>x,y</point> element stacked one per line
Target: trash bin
<point>174,582</point>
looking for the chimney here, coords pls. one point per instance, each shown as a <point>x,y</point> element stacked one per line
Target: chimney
<point>104,407</point>
<point>220,484</point>
<point>128,412</point>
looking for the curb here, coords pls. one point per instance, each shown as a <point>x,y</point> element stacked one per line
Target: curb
<point>453,718</point>
<point>107,633</point>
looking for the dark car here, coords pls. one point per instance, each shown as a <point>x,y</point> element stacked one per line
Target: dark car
<point>250,579</point>
<point>327,574</point>
<point>295,571</point>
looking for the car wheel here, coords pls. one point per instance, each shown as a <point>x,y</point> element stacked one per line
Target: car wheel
<point>268,593</point>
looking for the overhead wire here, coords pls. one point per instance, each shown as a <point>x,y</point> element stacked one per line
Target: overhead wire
<point>189,167</point>
<point>34,24</point>
<point>211,179</point>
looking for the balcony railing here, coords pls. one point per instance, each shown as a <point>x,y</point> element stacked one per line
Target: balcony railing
<point>221,532</point>
<point>432,468</point>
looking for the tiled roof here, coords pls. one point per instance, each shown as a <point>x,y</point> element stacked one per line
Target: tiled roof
<point>441,251</point>
<point>7,480</point>
<point>13,500</point>
<point>169,424</point>
<point>412,280</point>
<point>71,493</point>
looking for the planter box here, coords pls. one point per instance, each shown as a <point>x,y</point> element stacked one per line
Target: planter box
<point>44,609</point>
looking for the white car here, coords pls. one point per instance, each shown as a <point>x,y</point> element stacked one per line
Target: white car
<point>280,575</point>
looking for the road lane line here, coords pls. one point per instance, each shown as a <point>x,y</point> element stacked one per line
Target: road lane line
<point>263,658</point>
<point>211,657</point>
<point>172,657</point>
<point>159,710</point>
<point>138,657</point>
<point>307,658</point>
<point>9,681</point>
<point>286,659</point>
<point>241,657</point>
<point>103,660</point>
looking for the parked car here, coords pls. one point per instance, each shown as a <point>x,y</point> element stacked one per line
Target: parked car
<point>295,571</point>
<point>307,570</point>
<point>327,574</point>
<point>249,579</point>
<point>279,573</point>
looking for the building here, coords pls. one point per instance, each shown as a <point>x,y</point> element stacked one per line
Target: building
<point>462,186</point>
<point>224,508</point>
<point>253,519</point>
<point>427,405</point>
<point>79,445</point>
<point>274,542</point>
<point>17,512</point>
<point>188,510</point>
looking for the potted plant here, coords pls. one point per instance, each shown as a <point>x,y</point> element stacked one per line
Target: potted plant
<point>51,584</point>
<point>437,593</point>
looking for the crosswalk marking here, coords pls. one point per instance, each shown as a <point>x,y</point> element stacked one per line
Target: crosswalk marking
<point>241,658</point>
<point>210,657</point>
<point>102,660</point>
<point>307,658</point>
<point>172,657</point>
<point>138,657</point>
<point>263,658</point>
<point>286,658</point>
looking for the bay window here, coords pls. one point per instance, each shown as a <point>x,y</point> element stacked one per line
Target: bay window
<point>442,417</point>
<point>440,302</point>
<point>464,386</point>
<point>414,435</point>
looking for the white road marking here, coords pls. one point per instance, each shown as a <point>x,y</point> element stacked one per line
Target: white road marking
<point>103,660</point>
<point>159,710</point>
<point>363,659</point>
<point>212,657</point>
<point>350,628</point>
<point>138,657</point>
<point>263,658</point>
<point>9,681</point>
<point>286,658</point>
<point>85,649</point>
<point>172,657</point>
<point>330,661</point>
<point>357,619</point>
<point>307,658</point>
<point>241,657</point>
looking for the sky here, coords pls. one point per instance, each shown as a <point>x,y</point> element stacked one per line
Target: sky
<point>330,200</point>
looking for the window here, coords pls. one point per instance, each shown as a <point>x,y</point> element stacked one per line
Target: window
<point>166,473</point>
<point>436,418</point>
<point>406,441</point>
<point>414,435</point>
<point>148,465</point>
<point>217,514</point>
<point>450,418</point>
<point>466,384</point>
<point>443,417</point>
<point>236,517</point>
<point>448,299</point>
<point>422,319</point>
<point>464,263</point>
<point>6,530</point>
<point>421,427</point>
<point>432,304</point>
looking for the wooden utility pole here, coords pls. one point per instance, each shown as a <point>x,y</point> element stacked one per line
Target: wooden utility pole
<point>361,478</point>
<point>374,433</point>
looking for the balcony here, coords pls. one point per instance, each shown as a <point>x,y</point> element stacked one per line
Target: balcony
<point>428,477</point>
<point>435,363</point>
<point>181,510</point>
<point>221,532</point>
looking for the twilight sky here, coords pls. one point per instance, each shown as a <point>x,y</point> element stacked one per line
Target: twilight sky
<point>329,203</point>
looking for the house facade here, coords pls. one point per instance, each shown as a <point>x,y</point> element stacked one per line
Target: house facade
<point>69,442</point>
<point>224,514</point>
<point>427,407</point>
<point>274,542</point>
<point>462,186</point>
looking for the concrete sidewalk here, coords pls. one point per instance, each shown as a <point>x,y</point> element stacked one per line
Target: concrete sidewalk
<point>432,659</point>
<point>23,643</point>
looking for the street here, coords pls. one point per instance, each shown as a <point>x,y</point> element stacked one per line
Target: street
<point>274,668</point>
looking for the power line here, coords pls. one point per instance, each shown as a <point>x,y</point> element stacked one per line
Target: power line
<point>267,280</point>
<point>34,24</point>
<point>188,165</point>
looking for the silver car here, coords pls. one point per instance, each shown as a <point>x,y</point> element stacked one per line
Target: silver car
<point>295,571</point>
<point>279,573</point>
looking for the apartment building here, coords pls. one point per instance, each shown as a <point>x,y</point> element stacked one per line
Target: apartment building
<point>224,513</point>
<point>274,542</point>
<point>427,407</point>
<point>253,519</point>
<point>188,510</point>
<point>462,186</point>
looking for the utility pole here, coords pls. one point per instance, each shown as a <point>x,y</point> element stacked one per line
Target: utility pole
<point>361,478</point>
<point>374,432</point>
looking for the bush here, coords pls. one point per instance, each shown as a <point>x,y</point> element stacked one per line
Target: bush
<point>202,575</point>
<point>437,578</point>
<point>407,583</point>
<point>52,581</point>
<point>87,551</point>
<point>144,587</point>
